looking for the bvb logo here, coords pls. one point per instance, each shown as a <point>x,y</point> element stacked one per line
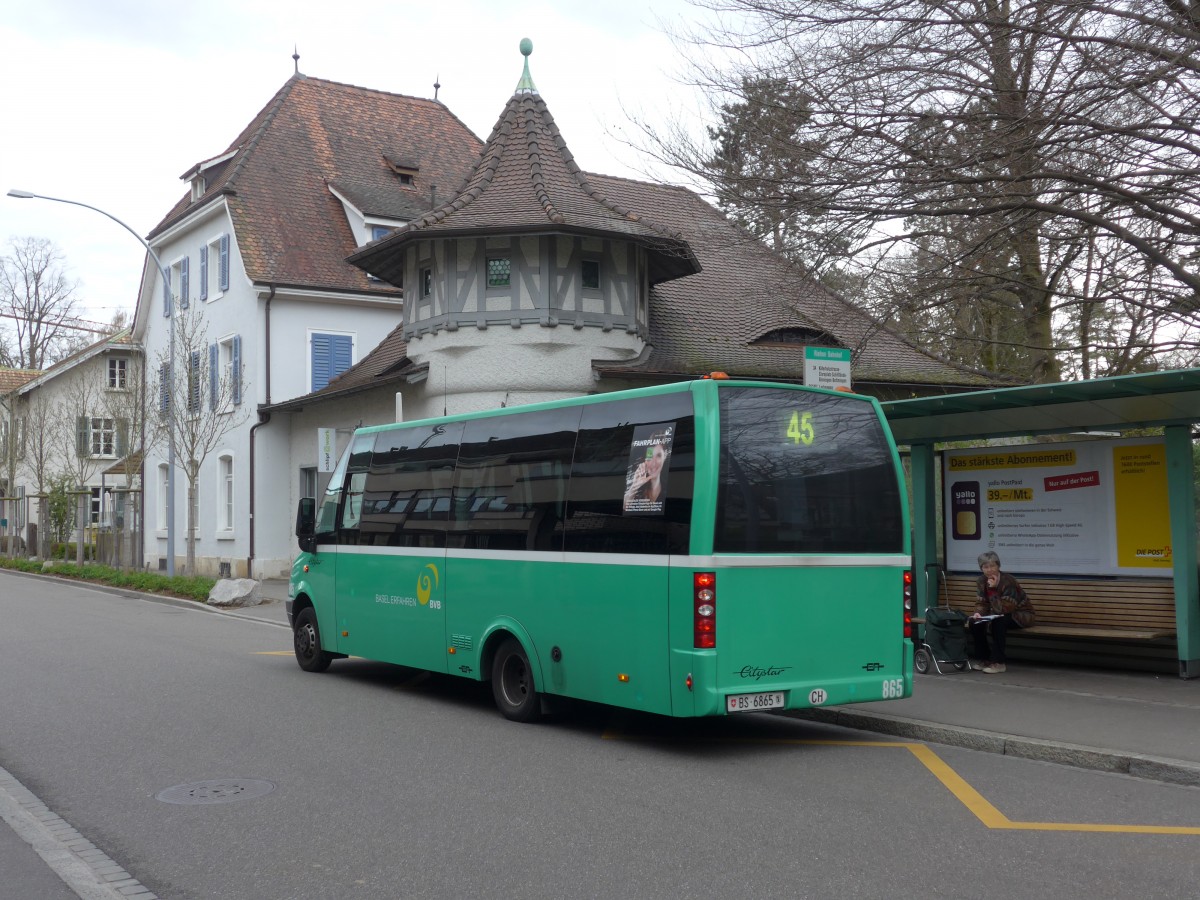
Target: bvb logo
<point>426,583</point>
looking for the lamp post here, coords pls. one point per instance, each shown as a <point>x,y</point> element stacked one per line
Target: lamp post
<point>170,305</point>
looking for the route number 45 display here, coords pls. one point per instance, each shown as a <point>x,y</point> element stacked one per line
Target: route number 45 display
<point>800,428</point>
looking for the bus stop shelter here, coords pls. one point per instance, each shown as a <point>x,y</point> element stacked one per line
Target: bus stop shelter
<point>1170,400</point>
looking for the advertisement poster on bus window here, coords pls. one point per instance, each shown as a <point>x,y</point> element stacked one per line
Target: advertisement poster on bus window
<point>1088,508</point>
<point>649,465</point>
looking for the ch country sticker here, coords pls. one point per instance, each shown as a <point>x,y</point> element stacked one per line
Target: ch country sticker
<point>427,580</point>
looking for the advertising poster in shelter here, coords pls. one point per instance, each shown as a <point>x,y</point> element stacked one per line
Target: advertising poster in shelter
<point>1088,508</point>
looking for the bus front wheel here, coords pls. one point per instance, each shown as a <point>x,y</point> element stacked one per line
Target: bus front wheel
<point>307,641</point>
<point>512,683</point>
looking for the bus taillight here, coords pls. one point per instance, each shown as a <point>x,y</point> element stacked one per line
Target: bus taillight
<point>704,597</point>
<point>908,602</point>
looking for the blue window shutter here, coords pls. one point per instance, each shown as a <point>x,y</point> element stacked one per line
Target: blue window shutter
<point>204,271</point>
<point>320,362</point>
<point>184,282</point>
<point>81,436</point>
<point>341,354</point>
<point>122,439</point>
<point>224,267</point>
<point>164,388</point>
<point>235,369</point>
<point>332,354</point>
<point>194,382</point>
<point>214,375</point>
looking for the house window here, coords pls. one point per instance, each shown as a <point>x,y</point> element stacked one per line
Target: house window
<point>426,281</point>
<point>94,506</point>
<point>96,437</point>
<point>225,493</point>
<point>590,274</point>
<point>379,231</point>
<point>180,278</point>
<point>225,372</point>
<point>499,270</point>
<point>118,373</point>
<point>330,355</point>
<point>214,268</point>
<point>308,481</point>
<point>163,488</point>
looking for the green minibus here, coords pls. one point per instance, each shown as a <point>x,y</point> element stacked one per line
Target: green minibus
<point>696,549</point>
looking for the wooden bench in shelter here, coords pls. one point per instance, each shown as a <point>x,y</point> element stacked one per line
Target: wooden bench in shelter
<point>1131,609</point>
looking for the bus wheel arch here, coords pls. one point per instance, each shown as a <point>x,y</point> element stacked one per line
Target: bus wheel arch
<point>514,684</point>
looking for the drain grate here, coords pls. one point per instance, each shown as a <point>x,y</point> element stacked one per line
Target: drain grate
<point>220,790</point>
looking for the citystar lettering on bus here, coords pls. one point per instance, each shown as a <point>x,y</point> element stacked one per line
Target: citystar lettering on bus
<point>695,549</point>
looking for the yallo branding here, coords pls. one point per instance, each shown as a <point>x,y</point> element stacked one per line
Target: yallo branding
<point>426,582</point>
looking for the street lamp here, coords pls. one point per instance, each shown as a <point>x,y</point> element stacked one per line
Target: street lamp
<point>170,304</point>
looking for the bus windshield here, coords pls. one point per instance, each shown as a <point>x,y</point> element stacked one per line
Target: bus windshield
<point>805,473</point>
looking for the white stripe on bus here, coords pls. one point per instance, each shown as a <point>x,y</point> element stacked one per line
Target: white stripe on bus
<point>647,560</point>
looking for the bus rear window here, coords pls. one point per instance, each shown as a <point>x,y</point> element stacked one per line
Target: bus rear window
<point>804,473</point>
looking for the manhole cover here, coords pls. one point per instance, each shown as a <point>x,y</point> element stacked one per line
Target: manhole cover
<point>222,790</point>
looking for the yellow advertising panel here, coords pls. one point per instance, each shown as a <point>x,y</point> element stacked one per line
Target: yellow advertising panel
<point>1085,507</point>
<point>1140,494</point>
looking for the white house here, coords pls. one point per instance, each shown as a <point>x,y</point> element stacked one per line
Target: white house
<point>256,249</point>
<point>78,420</point>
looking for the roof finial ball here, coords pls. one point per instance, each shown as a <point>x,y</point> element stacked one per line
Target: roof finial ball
<point>525,85</point>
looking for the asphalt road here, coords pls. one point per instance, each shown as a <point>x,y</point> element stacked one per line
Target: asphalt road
<point>387,783</point>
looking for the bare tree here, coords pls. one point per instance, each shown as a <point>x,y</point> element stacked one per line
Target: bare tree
<point>197,404</point>
<point>37,303</point>
<point>990,146</point>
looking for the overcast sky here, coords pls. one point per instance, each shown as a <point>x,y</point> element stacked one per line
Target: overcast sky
<point>108,103</point>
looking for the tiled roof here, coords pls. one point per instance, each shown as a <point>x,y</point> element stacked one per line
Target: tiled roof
<point>11,379</point>
<point>710,321</point>
<point>528,181</point>
<point>317,134</point>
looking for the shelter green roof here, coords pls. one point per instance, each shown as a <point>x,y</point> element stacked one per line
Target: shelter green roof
<point>1099,404</point>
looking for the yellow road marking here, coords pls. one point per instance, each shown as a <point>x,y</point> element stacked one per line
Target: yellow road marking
<point>956,785</point>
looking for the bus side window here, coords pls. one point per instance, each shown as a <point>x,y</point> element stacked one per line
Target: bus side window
<point>327,513</point>
<point>596,519</point>
<point>511,480</point>
<point>406,495</point>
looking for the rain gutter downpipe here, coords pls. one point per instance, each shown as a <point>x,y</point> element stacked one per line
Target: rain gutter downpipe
<point>263,419</point>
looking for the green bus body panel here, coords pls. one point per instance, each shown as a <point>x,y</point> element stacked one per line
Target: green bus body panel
<point>823,629</point>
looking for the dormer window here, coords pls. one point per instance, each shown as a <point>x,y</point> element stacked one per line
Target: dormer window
<point>198,187</point>
<point>798,337</point>
<point>406,172</point>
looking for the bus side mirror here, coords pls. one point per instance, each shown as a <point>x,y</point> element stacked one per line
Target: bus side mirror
<point>306,523</point>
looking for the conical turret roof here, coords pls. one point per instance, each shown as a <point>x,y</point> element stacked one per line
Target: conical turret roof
<point>527,181</point>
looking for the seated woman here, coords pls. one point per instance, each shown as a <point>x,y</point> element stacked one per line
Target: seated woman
<point>1000,598</point>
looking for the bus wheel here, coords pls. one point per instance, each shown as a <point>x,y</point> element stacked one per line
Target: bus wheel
<point>512,683</point>
<point>307,640</point>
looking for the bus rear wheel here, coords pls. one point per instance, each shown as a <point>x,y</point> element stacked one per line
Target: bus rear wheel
<point>512,683</point>
<point>307,641</point>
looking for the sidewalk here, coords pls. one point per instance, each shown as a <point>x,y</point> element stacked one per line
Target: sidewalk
<point>1139,723</point>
